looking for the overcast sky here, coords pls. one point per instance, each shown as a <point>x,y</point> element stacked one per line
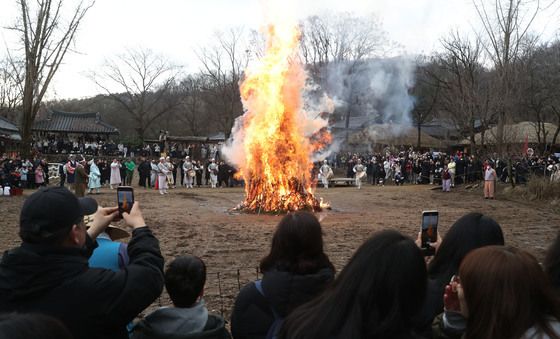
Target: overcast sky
<point>176,28</point>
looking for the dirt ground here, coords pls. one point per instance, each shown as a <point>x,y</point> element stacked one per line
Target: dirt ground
<point>199,222</point>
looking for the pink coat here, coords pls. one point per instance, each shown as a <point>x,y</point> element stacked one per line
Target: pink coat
<point>39,176</point>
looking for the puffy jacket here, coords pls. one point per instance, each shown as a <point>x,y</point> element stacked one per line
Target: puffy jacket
<point>92,303</point>
<point>252,315</point>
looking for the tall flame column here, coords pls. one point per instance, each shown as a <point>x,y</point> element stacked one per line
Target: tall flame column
<point>277,168</point>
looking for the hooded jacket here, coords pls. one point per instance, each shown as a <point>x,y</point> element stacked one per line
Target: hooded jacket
<point>181,323</point>
<point>252,314</point>
<point>92,303</point>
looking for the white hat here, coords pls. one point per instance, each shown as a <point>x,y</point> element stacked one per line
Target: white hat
<point>162,158</point>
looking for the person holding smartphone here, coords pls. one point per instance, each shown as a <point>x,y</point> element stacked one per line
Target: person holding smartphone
<point>502,292</point>
<point>471,231</point>
<point>49,272</point>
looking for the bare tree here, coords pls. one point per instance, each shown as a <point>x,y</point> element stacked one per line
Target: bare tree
<point>506,25</point>
<point>341,37</point>
<point>142,83</point>
<point>341,42</point>
<point>466,95</point>
<point>426,92</point>
<point>192,103</point>
<point>45,37</point>
<point>10,89</point>
<point>223,64</point>
<point>539,83</point>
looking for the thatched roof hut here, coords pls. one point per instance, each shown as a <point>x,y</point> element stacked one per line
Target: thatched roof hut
<point>515,134</point>
<point>392,134</point>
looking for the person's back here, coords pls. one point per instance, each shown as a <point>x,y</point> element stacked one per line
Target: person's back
<point>375,296</point>
<point>31,325</point>
<point>49,272</point>
<point>294,272</point>
<point>471,231</point>
<point>184,280</point>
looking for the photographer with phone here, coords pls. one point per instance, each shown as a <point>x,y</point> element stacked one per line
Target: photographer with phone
<point>471,231</point>
<point>49,272</point>
<point>502,293</point>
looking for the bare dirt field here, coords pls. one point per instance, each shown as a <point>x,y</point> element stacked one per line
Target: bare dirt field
<point>200,222</point>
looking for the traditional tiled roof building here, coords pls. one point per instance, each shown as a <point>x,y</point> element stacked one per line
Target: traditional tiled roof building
<point>73,123</point>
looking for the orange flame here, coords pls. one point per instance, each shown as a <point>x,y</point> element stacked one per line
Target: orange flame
<point>277,165</point>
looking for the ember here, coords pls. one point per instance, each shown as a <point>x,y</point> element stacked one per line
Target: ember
<point>277,152</point>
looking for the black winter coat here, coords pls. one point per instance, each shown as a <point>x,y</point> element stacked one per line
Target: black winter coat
<point>252,315</point>
<point>92,303</point>
<point>433,305</point>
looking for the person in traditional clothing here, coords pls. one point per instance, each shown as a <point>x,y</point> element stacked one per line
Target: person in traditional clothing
<point>94,177</point>
<point>189,172</point>
<point>213,170</point>
<point>169,174</point>
<point>115,174</point>
<point>359,172</point>
<point>163,171</point>
<point>490,177</point>
<point>81,179</point>
<point>326,172</point>
<point>70,169</point>
<point>153,173</point>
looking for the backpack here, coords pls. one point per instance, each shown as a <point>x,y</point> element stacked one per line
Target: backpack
<point>278,320</point>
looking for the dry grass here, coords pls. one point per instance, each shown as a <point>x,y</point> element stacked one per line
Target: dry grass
<point>537,189</point>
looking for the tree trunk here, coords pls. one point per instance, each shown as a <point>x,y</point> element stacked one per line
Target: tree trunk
<point>510,172</point>
<point>419,141</point>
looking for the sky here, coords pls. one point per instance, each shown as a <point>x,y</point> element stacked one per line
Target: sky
<point>176,28</point>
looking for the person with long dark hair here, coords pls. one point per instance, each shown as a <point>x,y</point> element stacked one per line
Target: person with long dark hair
<point>376,295</point>
<point>552,263</point>
<point>295,271</point>
<point>471,231</point>
<point>503,293</point>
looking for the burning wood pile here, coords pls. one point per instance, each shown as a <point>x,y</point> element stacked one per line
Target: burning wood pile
<point>274,137</point>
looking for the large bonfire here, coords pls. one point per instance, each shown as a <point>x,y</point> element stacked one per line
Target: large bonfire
<point>277,149</point>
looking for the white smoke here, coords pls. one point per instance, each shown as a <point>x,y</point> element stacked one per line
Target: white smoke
<point>377,89</point>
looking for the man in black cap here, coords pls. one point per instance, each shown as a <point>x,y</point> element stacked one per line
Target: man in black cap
<point>48,273</point>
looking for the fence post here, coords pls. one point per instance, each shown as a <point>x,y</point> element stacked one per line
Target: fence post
<point>238,282</point>
<point>220,293</point>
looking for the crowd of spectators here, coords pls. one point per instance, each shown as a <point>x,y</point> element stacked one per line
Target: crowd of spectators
<point>426,168</point>
<point>474,286</point>
<point>86,144</point>
<point>98,145</point>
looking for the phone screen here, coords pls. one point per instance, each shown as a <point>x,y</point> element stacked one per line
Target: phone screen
<point>429,227</point>
<point>125,199</point>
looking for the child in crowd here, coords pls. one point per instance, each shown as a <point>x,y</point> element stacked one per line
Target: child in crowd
<point>188,318</point>
<point>23,176</point>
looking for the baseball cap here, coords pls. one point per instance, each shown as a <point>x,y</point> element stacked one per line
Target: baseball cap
<point>51,211</point>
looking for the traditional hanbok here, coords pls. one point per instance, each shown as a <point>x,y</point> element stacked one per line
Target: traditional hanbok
<point>94,177</point>
<point>162,177</point>
<point>115,174</point>
<point>213,169</point>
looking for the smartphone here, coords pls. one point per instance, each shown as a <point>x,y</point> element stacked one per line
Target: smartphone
<point>429,230</point>
<point>125,199</point>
